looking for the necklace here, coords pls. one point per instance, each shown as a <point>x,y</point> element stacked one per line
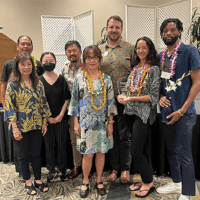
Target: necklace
<point>173,59</point>
<point>90,89</point>
<point>140,80</point>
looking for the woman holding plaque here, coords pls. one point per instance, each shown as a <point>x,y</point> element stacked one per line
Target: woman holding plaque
<point>143,89</point>
<point>93,107</point>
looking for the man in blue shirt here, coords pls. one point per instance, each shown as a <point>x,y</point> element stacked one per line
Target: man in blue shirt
<point>179,59</point>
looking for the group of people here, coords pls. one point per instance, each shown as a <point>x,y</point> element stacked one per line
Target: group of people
<point>86,101</point>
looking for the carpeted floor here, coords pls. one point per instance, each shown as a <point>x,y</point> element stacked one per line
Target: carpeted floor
<point>12,189</point>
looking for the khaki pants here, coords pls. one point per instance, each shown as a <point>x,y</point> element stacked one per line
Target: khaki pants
<point>76,154</point>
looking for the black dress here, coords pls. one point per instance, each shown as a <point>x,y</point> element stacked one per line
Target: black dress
<point>57,138</point>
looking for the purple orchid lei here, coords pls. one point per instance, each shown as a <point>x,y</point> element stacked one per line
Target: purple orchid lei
<point>173,60</point>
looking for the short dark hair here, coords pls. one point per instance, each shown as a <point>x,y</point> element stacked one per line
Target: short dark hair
<point>47,53</point>
<point>178,23</point>
<point>71,42</point>
<point>152,58</point>
<point>16,75</point>
<point>96,50</point>
<point>115,17</point>
<point>22,37</point>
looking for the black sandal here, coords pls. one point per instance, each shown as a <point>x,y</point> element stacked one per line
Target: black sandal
<point>100,191</point>
<point>151,190</point>
<point>41,186</point>
<point>84,193</point>
<point>30,189</point>
<point>138,184</point>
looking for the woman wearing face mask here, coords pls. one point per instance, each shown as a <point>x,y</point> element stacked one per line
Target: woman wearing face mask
<point>58,96</point>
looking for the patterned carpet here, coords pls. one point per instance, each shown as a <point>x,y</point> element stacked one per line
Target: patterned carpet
<point>12,189</point>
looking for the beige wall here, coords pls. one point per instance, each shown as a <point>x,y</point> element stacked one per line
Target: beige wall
<point>20,17</point>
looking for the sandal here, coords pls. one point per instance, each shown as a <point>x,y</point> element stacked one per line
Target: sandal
<point>138,184</point>
<point>41,186</point>
<point>30,189</point>
<point>152,189</point>
<point>100,191</point>
<point>84,193</point>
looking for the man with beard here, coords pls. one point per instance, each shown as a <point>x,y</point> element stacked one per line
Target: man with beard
<point>70,71</point>
<point>24,45</point>
<point>179,59</point>
<point>117,56</point>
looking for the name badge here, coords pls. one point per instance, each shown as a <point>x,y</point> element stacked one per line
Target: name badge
<point>165,75</point>
<point>105,54</point>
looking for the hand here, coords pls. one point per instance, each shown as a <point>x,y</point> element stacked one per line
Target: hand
<point>109,129</point>
<point>51,120</point>
<point>58,118</point>
<point>17,134</point>
<point>164,102</point>
<point>175,116</point>
<point>121,98</point>
<point>44,129</point>
<point>77,129</point>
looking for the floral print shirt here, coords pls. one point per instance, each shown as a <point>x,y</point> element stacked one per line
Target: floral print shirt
<point>93,123</point>
<point>117,61</point>
<point>27,107</point>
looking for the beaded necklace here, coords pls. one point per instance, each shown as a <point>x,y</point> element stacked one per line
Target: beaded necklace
<point>140,80</point>
<point>90,89</point>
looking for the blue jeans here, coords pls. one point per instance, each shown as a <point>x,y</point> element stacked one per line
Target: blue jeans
<point>179,145</point>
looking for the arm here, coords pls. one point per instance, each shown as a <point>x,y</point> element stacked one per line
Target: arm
<point>3,92</point>
<point>16,132</point>
<point>77,127</point>
<point>175,116</point>
<point>62,112</point>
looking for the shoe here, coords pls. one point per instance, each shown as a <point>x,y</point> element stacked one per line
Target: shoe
<point>51,176</point>
<point>41,186</point>
<point>112,175</point>
<point>100,191</point>
<point>125,177</point>
<point>84,193</point>
<point>169,188</point>
<point>136,184</point>
<point>63,176</point>
<point>75,172</point>
<point>152,189</point>
<point>183,197</point>
<point>30,189</point>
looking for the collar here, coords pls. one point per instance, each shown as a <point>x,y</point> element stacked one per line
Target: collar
<point>76,67</point>
<point>119,45</point>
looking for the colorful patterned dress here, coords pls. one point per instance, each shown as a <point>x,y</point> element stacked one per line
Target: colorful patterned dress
<point>93,123</point>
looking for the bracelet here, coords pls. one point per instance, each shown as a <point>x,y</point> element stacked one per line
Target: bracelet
<point>45,124</point>
<point>14,127</point>
<point>64,106</point>
<point>179,111</point>
<point>111,121</point>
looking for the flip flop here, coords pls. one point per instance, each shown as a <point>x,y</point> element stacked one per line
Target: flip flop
<point>30,189</point>
<point>139,184</point>
<point>151,190</point>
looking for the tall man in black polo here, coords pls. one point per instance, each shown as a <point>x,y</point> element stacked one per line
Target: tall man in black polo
<point>25,45</point>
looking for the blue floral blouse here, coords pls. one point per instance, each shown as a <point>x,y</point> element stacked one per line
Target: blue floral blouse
<point>93,123</point>
<point>28,107</point>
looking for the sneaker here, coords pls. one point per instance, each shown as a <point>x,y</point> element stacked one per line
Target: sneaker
<point>51,176</point>
<point>169,188</point>
<point>183,197</point>
<point>63,176</point>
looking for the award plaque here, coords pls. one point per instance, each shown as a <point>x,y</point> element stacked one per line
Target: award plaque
<point>121,85</point>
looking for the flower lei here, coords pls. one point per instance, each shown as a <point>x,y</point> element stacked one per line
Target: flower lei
<point>173,60</point>
<point>141,80</point>
<point>90,89</point>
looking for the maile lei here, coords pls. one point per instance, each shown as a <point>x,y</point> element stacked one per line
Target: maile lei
<point>90,89</point>
<point>173,59</point>
<point>141,80</point>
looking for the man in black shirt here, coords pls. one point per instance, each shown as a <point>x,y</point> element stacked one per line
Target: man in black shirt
<point>24,44</point>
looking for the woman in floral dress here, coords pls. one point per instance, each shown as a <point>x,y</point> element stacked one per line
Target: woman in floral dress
<point>93,107</point>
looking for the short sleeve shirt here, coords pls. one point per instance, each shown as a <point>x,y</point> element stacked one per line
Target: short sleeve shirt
<point>188,59</point>
<point>117,61</point>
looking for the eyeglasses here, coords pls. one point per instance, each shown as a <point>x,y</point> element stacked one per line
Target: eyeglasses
<point>88,58</point>
<point>141,49</point>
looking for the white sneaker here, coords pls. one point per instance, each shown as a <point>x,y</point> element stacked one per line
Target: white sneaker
<point>183,197</point>
<point>169,188</point>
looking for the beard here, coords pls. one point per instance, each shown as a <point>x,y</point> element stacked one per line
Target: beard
<point>114,39</point>
<point>73,59</point>
<point>171,42</point>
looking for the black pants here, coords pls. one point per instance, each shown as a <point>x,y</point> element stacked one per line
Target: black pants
<point>140,132</point>
<point>56,145</point>
<point>30,147</point>
<point>120,155</point>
